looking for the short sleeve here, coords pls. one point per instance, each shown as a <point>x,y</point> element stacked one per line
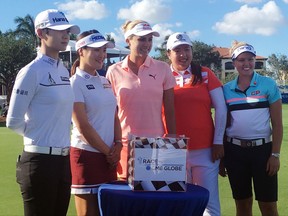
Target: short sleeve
<point>78,93</point>
<point>213,81</point>
<point>169,81</point>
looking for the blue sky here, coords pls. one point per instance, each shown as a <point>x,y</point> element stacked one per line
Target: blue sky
<point>262,23</point>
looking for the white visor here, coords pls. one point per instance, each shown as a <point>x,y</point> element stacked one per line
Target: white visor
<point>93,40</point>
<point>241,49</point>
<point>141,29</point>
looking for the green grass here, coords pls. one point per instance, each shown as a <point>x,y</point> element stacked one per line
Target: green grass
<point>11,201</point>
<point>10,197</point>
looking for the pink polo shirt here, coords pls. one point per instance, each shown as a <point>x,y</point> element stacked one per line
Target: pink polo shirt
<point>140,97</point>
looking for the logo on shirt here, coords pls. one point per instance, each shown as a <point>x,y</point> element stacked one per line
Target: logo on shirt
<point>50,61</point>
<point>89,87</point>
<point>65,79</point>
<point>21,92</point>
<point>51,80</point>
<point>154,76</point>
<point>106,85</point>
<point>87,76</point>
<point>255,92</point>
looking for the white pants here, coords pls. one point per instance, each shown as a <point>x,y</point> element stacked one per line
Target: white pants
<point>203,172</point>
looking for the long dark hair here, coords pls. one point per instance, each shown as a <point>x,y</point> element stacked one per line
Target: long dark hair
<point>77,61</point>
<point>196,72</point>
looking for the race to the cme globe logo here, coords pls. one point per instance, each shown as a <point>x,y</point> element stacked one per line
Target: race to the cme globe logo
<point>155,164</point>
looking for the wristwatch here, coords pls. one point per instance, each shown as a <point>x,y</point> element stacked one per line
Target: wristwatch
<point>277,155</point>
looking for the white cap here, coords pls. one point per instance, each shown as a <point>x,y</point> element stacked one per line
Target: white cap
<point>241,49</point>
<point>141,29</point>
<point>54,19</point>
<point>177,39</point>
<point>93,40</point>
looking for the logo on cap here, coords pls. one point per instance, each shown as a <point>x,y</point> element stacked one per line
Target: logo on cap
<point>95,38</point>
<point>241,49</point>
<point>61,19</point>
<point>146,26</point>
<point>179,37</point>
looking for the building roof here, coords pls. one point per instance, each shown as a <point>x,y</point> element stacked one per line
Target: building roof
<point>224,53</point>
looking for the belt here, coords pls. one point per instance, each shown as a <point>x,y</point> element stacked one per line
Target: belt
<point>248,143</point>
<point>47,150</point>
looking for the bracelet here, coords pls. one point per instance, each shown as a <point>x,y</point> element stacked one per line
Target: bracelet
<point>277,155</point>
<point>118,141</point>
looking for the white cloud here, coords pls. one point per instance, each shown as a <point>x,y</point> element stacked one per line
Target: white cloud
<point>152,11</point>
<point>285,1</point>
<point>251,20</point>
<point>117,35</point>
<point>165,29</point>
<point>193,34</point>
<point>249,1</point>
<point>80,9</point>
<point>178,24</point>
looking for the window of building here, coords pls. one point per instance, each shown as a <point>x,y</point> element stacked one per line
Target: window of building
<point>259,65</point>
<point>229,66</point>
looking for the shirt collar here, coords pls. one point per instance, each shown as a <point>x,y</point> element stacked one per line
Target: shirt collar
<point>181,73</point>
<point>124,64</point>
<point>48,60</point>
<point>84,74</point>
<point>147,62</point>
<point>253,81</point>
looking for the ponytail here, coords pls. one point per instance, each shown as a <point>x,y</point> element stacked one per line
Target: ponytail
<point>74,66</point>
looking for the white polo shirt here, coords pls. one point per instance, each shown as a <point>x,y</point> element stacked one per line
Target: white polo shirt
<point>100,103</point>
<point>41,103</point>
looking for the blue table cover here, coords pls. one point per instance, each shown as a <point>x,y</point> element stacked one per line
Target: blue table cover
<point>122,201</point>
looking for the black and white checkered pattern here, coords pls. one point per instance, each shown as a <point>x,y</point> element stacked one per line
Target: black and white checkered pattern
<point>159,142</point>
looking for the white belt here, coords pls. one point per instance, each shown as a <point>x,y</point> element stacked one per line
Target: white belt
<point>47,150</point>
<point>248,143</point>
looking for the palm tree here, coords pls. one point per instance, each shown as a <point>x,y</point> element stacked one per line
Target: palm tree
<point>162,51</point>
<point>109,38</point>
<point>25,28</point>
